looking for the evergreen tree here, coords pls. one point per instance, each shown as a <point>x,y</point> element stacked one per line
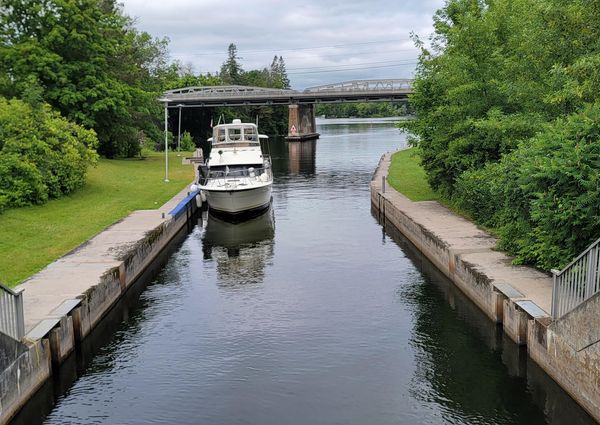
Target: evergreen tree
<point>283,78</point>
<point>231,70</point>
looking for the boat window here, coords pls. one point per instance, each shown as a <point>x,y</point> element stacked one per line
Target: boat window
<point>221,135</point>
<point>250,134</point>
<point>235,134</point>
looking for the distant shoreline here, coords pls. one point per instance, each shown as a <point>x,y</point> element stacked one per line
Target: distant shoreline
<point>385,120</point>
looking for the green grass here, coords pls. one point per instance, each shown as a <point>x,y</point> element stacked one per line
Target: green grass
<point>408,177</point>
<point>33,237</point>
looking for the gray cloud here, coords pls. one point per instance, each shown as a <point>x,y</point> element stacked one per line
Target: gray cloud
<point>321,41</point>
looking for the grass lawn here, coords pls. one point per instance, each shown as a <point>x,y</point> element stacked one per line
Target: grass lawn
<point>33,237</point>
<point>408,177</point>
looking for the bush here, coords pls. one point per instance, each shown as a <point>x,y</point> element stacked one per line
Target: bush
<point>544,198</point>
<point>187,142</point>
<point>21,183</point>
<point>42,155</point>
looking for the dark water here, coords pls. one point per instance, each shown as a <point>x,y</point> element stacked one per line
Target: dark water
<point>311,314</point>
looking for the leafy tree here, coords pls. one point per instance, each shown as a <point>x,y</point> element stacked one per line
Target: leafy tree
<point>507,110</point>
<point>90,63</point>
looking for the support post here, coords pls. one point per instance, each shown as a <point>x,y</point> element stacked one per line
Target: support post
<point>179,133</point>
<point>166,143</point>
<point>301,122</point>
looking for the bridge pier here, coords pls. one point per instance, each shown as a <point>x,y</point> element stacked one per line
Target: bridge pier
<point>301,122</point>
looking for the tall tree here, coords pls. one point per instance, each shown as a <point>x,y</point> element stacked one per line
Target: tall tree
<point>277,74</point>
<point>231,70</point>
<point>91,63</point>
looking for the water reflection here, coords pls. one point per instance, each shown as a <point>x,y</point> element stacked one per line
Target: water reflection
<point>473,391</point>
<point>241,250</point>
<point>302,157</point>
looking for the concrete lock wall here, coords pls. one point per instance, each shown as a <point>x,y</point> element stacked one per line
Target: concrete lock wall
<point>518,297</point>
<point>568,350</point>
<point>22,377</point>
<point>24,371</point>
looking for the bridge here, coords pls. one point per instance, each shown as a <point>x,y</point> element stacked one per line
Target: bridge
<point>301,123</point>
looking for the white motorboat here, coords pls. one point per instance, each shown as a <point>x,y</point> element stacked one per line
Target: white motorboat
<point>237,177</point>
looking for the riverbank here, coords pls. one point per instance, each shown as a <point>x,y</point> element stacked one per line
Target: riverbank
<point>33,237</point>
<point>67,299</point>
<point>517,297</point>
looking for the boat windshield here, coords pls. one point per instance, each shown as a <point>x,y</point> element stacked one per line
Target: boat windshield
<point>236,134</point>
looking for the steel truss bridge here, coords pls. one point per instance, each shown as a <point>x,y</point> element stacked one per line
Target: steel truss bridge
<point>390,90</point>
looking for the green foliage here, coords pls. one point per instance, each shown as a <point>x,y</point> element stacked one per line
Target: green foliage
<point>42,155</point>
<point>544,198</point>
<point>507,111</point>
<point>231,70</point>
<point>187,142</point>
<point>85,59</point>
<point>361,110</point>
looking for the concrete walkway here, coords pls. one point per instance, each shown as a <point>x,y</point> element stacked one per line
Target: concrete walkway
<point>74,274</point>
<point>475,247</point>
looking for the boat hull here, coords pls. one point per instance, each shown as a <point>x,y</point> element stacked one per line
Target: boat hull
<point>238,201</point>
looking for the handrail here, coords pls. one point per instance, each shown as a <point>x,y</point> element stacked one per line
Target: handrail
<point>12,321</point>
<point>577,282</point>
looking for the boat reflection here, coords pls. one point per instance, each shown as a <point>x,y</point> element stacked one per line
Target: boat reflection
<point>241,250</point>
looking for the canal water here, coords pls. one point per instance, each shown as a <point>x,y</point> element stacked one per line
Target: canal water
<point>314,313</point>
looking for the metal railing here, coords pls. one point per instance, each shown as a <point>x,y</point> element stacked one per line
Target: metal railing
<point>225,91</point>
<point>12,321</point>
<point>577,282</point>
<point>184,97</point>
<point>358,86</point>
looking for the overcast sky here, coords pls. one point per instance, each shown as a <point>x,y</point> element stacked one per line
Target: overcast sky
<point>321,41</point>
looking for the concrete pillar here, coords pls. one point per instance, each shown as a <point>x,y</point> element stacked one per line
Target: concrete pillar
<point>302,122</point>
<point>293,121</point>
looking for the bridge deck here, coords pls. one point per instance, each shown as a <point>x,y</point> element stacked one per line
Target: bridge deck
<point>350,91</point>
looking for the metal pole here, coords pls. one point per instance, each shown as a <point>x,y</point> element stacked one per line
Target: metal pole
<point>179,134</point>
<point>166,145</point>
<point>20,319</point>
<point>554,306</point>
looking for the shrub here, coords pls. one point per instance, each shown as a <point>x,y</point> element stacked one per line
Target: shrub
<point>42,155</point>
<point>544,198</point>
<point>187,142</point>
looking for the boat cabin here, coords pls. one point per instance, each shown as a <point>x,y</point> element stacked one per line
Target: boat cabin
<point>237,133</point>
